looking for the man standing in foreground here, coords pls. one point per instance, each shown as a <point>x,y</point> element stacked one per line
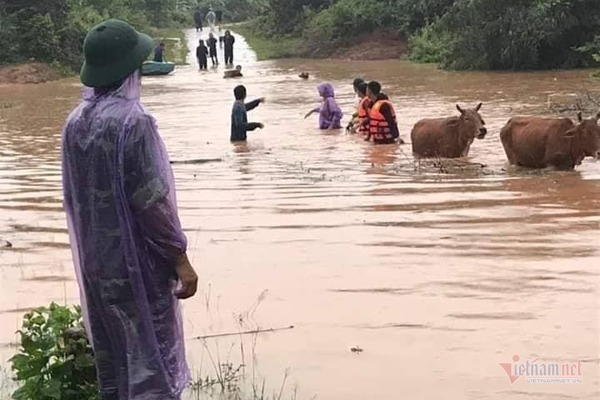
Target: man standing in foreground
<point>128,246</point>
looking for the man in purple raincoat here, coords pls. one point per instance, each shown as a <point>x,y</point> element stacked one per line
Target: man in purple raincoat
<point>128,247</point>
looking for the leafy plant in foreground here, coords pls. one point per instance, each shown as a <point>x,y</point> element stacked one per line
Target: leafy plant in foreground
<point>55,360</point>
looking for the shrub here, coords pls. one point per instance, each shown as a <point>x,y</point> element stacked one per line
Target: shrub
<point>55,360</point>
<point>429,46</point>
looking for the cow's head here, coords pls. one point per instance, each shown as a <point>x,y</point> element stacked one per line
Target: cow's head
<point>586,136</point>
<point>471,122</point>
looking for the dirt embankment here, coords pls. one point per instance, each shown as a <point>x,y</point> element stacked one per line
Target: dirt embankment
<point>377,46</point>
<point>27,73</point>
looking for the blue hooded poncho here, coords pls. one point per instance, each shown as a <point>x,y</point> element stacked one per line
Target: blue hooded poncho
<point>330,113</point>
<point>119,196</point>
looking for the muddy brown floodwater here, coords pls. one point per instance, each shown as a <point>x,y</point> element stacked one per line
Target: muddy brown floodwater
<point>438,272</point>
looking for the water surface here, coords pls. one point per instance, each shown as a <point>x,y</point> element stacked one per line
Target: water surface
<point>439,272</point>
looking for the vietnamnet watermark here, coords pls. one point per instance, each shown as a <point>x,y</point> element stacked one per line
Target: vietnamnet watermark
<point>535,371</point>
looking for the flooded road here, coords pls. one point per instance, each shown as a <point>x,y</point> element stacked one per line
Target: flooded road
<point>439,272</point>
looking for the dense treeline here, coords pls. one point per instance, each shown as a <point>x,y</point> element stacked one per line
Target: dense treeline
<point>460,34</point>
<point>52,31</point>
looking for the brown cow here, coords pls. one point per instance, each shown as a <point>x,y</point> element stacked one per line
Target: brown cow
<point>535,142</point>
<point>448,137</point>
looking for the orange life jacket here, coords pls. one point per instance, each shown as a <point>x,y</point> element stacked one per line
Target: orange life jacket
<point>363,114</point>
<point>378,126</point>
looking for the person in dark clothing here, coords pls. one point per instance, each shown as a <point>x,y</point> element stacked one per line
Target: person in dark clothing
<point>382,122</point>
<point>239,117</point>
<point>202,55</point>
<point>219,15</point>
<point>198,20</point>
<point>228,41</point>
<point>212,49</point>
<point>159,53</point>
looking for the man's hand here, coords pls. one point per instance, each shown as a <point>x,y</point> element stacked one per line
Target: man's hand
<point>261,125</point>
<point>262,100</point>
<point>187,278</point>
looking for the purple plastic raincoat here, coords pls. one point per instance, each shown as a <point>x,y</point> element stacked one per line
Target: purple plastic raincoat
<point>119,196</point>
<point>330,114</point>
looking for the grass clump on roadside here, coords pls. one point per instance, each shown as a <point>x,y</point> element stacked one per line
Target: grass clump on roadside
<point>55,359</point>
<point>284,46</point>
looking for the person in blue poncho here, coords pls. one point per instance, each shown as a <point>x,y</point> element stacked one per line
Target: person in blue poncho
<point>128,246</point>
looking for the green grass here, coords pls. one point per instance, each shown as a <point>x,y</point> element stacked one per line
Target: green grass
<point>270,48</point>
<point>176,44</point>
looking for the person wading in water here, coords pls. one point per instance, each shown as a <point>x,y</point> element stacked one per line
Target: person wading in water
<point>212,49</point>
<point>228,42</point>
<point>198,20</point>
<point>127,243</point>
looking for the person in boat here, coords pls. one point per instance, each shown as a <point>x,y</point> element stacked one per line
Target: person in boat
<point>239,115</point>
<point>234,73</point>
<point>202,55</point>
<point>362,111</point>
<point>198,20</point>
<point>212,49</point>
<point>382,121</point>
<point>128,247</point>
<point>159,53</point>
<point>228,41</point>
<point>330,114</point>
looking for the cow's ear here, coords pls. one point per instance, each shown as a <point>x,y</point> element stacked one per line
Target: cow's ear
<point>460,109</point>
<point>478,107</point>
<point>579,116</point>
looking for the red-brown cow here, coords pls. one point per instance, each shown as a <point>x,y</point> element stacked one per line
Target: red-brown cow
<point>535,142</point>
<point>448,137</point>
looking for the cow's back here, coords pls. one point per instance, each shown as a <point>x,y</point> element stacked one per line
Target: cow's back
<point>436,137</point>
<point>528,140</point>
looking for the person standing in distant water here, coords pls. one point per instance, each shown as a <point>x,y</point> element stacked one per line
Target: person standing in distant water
<point>159,53</point>
<point>201,55</point>
<point>211,18</point>
<point>219,15</point>
<point>228,42</point>
<point>198,20</point>
<point>212,49</point>
<point>239,115</point>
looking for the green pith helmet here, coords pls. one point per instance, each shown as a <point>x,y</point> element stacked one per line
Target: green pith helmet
<point>113,50</point>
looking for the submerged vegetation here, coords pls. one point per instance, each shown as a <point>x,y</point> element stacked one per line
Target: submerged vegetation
<point>456,34</point>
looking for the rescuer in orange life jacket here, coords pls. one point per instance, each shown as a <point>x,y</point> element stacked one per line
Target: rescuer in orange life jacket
<point>360,123</point>
<point>382,122</point>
